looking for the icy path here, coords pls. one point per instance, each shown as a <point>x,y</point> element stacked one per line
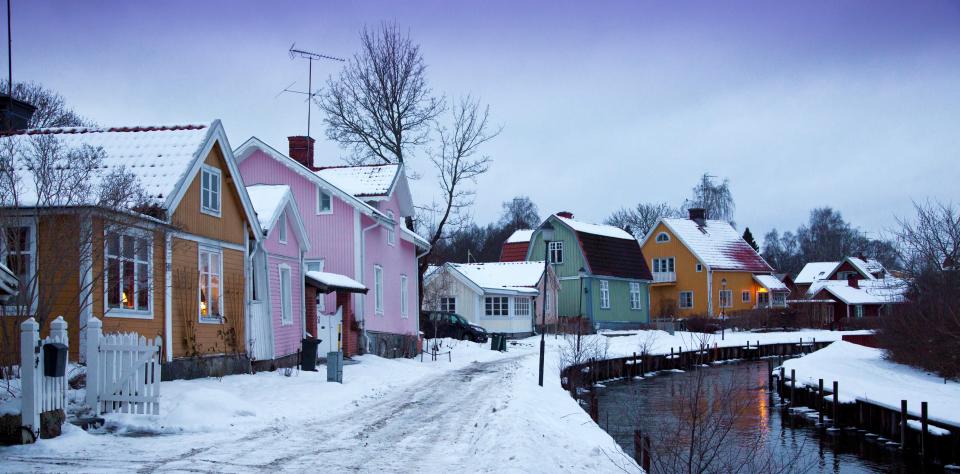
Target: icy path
<point>484,413</point>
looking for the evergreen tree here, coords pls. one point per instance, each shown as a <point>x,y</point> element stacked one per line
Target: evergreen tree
<point>749,238</point>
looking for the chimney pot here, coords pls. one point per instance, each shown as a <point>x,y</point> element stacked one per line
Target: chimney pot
<point>565,214</point>
<point>698,215</point>
<point>301,150</point>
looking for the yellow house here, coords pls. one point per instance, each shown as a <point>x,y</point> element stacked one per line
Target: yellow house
<point>704,268</point>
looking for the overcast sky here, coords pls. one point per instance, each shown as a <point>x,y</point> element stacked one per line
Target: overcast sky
<point>850,104</point>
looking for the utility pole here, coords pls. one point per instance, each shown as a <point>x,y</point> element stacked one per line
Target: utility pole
<point>310,57</point>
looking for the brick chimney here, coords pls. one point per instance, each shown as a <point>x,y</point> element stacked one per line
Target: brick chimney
<point>698,215</point>
<point>853,281</point>
<point>301,150</point>
<point>565,214</point>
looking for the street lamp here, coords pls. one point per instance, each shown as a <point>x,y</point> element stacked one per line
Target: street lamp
<point>582,273</point>
<point>723,316</point>
<point>546,232</point>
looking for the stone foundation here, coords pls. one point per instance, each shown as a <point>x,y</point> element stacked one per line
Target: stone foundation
<point>291,360</point>
<point>209,366</point>
<point>390,345</point>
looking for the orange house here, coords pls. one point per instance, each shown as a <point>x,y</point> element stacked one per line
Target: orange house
<point>174,265</point>
<point>704,267</point>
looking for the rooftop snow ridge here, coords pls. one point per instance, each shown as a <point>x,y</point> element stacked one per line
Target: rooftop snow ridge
<point>80,130</point>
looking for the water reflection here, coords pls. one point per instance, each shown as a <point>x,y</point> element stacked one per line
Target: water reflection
<point>789,441</point>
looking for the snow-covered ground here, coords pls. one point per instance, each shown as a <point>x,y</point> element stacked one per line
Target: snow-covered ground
<point>483,412</point>
<point>625,343</point>
<point>863,374</point>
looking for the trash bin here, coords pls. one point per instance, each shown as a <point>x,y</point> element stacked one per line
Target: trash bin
<point>54,359</point>
<point>503,342</point>
<point>308,354</point>
<point>335,367</point>
<point>494,341</point>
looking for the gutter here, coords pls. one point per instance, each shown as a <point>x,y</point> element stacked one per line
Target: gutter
<point>417,299</point>
<point>167,298</point>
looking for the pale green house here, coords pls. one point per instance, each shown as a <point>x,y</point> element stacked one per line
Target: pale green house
<point>605,262</point>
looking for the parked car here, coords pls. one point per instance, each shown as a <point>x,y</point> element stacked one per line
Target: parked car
<point>445,324</point>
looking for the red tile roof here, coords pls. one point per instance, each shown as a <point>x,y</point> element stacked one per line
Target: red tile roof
<point>514,251</point>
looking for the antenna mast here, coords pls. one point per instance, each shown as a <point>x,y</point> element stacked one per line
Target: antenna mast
<point>310,57</point>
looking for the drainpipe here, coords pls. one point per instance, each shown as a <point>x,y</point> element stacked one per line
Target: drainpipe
<point>709,292</point>
<point>417,299</point>
<point>168,298</point>
<point>363,274</point>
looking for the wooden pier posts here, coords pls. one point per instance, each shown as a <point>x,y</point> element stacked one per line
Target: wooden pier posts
<point>820,402</point>
<point>836,403</point>
<point>903,424</point>
<point>924,446</point>
<point>793,386</point>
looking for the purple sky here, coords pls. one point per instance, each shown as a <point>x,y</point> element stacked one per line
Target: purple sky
<point>852,104</point>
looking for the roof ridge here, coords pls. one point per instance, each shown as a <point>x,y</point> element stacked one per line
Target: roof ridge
<point>320,168</point>
<point>82,130</point>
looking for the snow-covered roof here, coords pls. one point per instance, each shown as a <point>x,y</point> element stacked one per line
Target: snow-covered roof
<point>596,229</point>
<point>717,245</point>
<point>363,180</point>
<point>268,201</point>
<point>520,236</point>
<point>879,291</point>
<point>335,281</point>
<point>160,157</point>
<point>814,271</point>
<point>521,277</point>
<point>868,267</point>
<point>770,282</point>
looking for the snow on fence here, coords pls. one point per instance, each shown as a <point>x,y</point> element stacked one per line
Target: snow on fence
<point>40,393</point>
<point>123,371</point>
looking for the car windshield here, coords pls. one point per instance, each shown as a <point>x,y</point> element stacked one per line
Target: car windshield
<point>460,319</point>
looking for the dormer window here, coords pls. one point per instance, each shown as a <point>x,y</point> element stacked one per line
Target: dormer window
<point>210,191</point>
<point>663,237</point>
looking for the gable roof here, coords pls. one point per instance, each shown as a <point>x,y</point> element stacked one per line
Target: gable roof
<point>372,182</point>
<point>770,282</point>
<point>608,250</point>
<point>867,267</point>
<point>253,144</point>
<point>716,244</point>
<point>164,159</point>
<point>269,201</point>
<point>520,236</point>
<point>879,291</point>
<point>520,277</point>
<point>814,271</point>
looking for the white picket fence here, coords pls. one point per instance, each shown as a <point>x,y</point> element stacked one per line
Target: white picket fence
<point>123,371</point>
<point>40,393</point>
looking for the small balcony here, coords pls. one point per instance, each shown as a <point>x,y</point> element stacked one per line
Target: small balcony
<point>664,277</point>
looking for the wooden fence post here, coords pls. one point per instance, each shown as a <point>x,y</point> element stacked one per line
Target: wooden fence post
<point>94,333</point>
<point>836,403</point>
<point>30,376</point>
<point>793,386</point>
<point>58,388</point>
<point>923,431</point>
<point>903,424</point>
<point>820,403</point>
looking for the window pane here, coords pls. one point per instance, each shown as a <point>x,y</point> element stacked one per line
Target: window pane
<point>113,244</point>
<point>127,246</point>
<point>204,262</point>
<point>113,283</point>
<point>215,296</point>
<point>127,297</point>
<point>142,249</point>
<point>143,286</point>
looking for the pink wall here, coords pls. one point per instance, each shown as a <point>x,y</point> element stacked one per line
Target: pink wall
<point>396,260</point>
<point>286,337</point>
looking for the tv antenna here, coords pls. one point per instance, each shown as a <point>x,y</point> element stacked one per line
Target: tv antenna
<point>310,93</point>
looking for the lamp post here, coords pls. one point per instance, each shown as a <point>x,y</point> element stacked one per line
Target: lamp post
<point>582,273</point>
<point>723,315</point>
<point>546,232</point>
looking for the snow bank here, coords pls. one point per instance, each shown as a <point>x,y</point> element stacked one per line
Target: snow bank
<point>865,375</point>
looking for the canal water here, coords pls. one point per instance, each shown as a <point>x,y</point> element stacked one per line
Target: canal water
<point>760,429</point>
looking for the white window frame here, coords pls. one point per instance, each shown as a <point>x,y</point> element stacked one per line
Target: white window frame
<point>391,230</point>
<point>778,299</point>
<point>121,312</point>
<point>858,311</point>
<point>319,201</point>
<point>286,295</point>
<point>699,267</point>
<point>218,252</point>
<point>666,237</point>
<point>680,300</point>
<point>282,228</point>
<point>208,193</point>
<point>445,305</point>
<point>404,299</point>
<point>378,289</point>
<point>496,306</point>
<point>555,249</point>
<point>604,294</point>
<point>521,302</point>
<point>321,298</point>
<point>764,301</point>
<point>745,296</point>
<point>729,299</point>
<point>664,265</point>
<point>635,296</point>
<point>11,306</point>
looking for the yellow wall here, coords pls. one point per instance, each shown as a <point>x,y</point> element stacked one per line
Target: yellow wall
<point>664,297</point>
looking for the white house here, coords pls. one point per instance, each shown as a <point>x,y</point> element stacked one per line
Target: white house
<point>501,297</point>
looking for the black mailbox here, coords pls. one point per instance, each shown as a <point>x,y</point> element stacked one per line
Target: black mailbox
<point>54,359</point>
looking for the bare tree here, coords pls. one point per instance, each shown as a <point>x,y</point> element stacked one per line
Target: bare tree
<point>458,163</point>
<point>716,198</point>
<point>519,213</point>
<point>381,106</point>
<point>640,220</point>
<point>52,109</point>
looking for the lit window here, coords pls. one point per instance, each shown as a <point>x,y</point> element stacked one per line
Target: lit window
<point>763,299</point>
<point>634,295</point>
<point>604,294</point>
<point>378,288</point>
<point>521,306</point>
<point>210,190</point>
<point>663,237</point>
<point>286,297</point>
<point>686,299</point>
<point>127,279</point>
<point>496,306</point>
<point>211,298</point>
<point>324,202</point>
<point>403,295</point>
<point>556,252</point>
<point>448,304</point>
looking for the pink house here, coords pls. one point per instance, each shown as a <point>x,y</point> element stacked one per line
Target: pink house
<point>354,219</point>
<point>276,278</point>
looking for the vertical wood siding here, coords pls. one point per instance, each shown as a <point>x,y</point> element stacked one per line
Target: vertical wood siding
<point>229,227</point>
